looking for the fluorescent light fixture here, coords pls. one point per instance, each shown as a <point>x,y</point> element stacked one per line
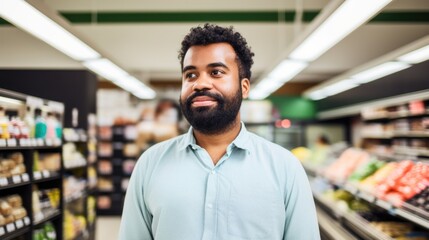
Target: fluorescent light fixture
<point>287,70</point>
<point>338,87</point>
<point>106,69</point>
<point>258,95</point>
<point>416,56</point>
<point>25,16</point>
<point>349,16</point>
<point>145,93</point>
<point>11,101</point>
<point>379,71</point>
<point>317,95</point>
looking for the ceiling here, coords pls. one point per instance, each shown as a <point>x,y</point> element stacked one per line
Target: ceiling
<point>144,36</point>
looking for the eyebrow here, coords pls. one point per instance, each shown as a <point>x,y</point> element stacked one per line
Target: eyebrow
<point>212,65</point>
<point>218,64</point>
<point>188,68</point>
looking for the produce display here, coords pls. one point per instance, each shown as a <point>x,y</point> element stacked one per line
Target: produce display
<point>11,209</point>
<point>46,232</point>
<point>344,166</point>
<point>421,200</point>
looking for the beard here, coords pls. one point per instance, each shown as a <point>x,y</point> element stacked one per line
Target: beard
<point>212,120</point>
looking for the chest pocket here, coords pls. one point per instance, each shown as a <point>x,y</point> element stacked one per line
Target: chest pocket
<point>257,215</point>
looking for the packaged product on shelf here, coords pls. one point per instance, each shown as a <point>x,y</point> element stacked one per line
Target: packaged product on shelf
<point>72,157</point>
<point>40,124</point>
<point>11,209</point>
<point>73,187</point>
<point>92,177</point>
<point>105,132</point>
<point>128,166</point>
<point>91,209</point>
<point>104,202</point>
<point>105,167</point>
<point>12,165</point>
<point>46,232</point>
<point>130,132</point>
<point>47,161</point>
<point>105,149</point>
<point>45,202</point>
<point>73,225</point>
<point>124,184</point>
<point>105,184</point>
<point>131,150</point>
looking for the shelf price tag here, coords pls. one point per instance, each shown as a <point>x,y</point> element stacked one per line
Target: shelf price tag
<point>2,232</point>
<point>37,175</point>
<point>3,182</point>
<point>40,142</point>
<point>10,227</point>
<point>57,142</point>
<point>25,177</point>
<point>2,142</point>
<point>23,142</point>
<point>33,142</point>
<point>11,142</point>
<point>19,224</point>
<point>16,179</point>
<point>46,173</point>
<point>27,221</point>
<point>49,142</point>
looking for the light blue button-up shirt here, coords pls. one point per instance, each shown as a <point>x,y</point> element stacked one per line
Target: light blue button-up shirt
<point>258,190</point>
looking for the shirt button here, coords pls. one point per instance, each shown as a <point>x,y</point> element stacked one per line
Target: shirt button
<point>213,172</point>
<point>210,205</point>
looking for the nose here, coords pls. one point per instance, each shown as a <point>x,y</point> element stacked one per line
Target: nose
<point>203,83</point>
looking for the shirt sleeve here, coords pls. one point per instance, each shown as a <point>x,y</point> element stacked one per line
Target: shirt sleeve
<point>136,220</point>
<point>301,218</point>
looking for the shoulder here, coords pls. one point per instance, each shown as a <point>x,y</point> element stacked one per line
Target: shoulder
<point>154,153</point>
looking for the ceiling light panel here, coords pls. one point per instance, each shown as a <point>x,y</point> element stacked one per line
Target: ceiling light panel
<point>417,56</point>
<point>379,71</point>
<point>349,16</point>
<point>25,16</point>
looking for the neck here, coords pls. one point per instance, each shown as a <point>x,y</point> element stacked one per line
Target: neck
<point>216,144</point>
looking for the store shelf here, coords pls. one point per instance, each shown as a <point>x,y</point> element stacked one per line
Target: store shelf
<point>350,220</point>
<point>411,134</point>
<point>14,181</point>
<point>76,166</point>
<point>15,229</point>
<point>330,228</point>
<point>47,216</point>
<point>75,197</point>
<point>43,176</point>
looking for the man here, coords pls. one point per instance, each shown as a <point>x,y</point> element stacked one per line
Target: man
<point>218,181</point>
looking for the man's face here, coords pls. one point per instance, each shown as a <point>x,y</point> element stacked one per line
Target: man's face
<point>211,89</point>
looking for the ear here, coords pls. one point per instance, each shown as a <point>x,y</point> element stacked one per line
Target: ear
<point>245,87</point>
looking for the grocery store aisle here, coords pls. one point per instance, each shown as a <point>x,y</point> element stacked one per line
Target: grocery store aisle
<point>107,228</point>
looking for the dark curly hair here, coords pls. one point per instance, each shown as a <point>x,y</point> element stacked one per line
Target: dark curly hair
<point>210,33</point>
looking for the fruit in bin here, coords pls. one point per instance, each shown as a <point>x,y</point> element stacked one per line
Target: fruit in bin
<point>393,178</point>
<point>366,170</point>
<point>359,206</point>
<point>343,195</point>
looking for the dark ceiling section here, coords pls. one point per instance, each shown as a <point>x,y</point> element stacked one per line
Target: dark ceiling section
<point>409,80</point>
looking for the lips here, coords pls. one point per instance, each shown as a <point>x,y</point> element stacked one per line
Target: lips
<point>203,101</point>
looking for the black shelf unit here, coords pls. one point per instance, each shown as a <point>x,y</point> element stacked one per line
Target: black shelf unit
<point>24,184</point>
<point>79,203</point>
<point>111,169</point>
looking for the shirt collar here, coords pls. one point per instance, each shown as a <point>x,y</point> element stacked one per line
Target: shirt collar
<point>241,141</point>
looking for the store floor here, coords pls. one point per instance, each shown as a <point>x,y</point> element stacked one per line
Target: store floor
<point>107,228</point>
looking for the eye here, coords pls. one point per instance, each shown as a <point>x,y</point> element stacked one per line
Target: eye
<point>217,72</point>
<point>190,75</point>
